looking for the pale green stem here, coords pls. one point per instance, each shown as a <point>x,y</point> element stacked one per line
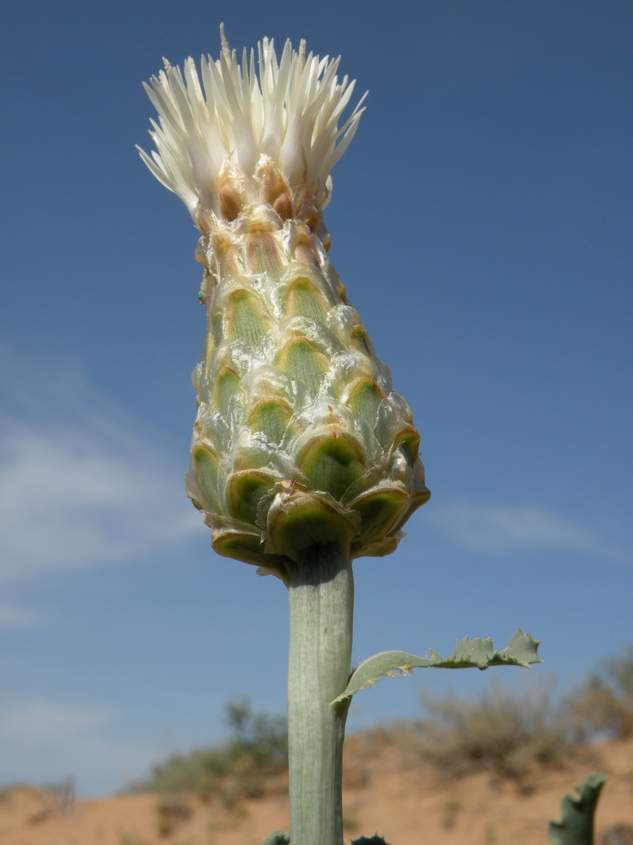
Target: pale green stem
<point>321,595</point>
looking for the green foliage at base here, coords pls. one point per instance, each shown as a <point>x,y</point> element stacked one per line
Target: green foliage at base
<point>277,838</point>
<point>577,811</point>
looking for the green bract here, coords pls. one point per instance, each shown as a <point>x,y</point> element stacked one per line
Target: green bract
<point>299,434</point>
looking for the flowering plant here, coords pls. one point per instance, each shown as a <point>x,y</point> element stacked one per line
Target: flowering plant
<point>303,455</point>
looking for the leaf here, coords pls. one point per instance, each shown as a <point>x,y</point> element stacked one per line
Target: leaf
<point>577,811</point>
<point>277,838</point>
<point>471,652</point>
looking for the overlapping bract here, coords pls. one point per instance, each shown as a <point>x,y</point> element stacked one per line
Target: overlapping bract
<point>296,416</point>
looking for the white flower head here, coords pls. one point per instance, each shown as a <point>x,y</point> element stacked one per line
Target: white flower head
<point>232,119</point>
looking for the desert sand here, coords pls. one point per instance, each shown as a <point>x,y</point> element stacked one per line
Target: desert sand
<point>388,791</point>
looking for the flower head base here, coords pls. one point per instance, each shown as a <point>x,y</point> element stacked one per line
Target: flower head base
<point>265,130</point>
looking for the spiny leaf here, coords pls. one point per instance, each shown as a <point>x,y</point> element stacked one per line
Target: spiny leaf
<point>370,840</point>
<point>471,652</point>
<point>577,811</point>
<point>277,838</point>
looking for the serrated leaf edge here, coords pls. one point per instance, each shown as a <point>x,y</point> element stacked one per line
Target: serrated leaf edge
<point>469,652</point>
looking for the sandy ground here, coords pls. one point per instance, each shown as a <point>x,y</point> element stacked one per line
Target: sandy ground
<point>386,791</point>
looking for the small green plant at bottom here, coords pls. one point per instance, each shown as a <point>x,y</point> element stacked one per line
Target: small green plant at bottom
<point>451,811</point>
<point>490,835</point>
<point>130,839</point>
<point>576,825</point>
<point>171,813</point>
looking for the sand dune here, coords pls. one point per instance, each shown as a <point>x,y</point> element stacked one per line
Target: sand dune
<point>387,790</point>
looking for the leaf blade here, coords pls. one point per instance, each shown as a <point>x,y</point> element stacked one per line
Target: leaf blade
<point>470,652</point>
<point>577,812</point>
<point>278,837</point>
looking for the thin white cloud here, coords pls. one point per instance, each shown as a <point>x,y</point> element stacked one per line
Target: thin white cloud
<point>47,742</point>
<point>14,616</point>
<point>503,527</point>
<point>80,484</point>
<point>40,722</point>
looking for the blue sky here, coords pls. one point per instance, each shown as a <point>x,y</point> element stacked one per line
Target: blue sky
<point>482,223</point>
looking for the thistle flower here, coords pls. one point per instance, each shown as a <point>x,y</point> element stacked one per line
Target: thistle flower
<point>299,435</point>
<point>303,455</point>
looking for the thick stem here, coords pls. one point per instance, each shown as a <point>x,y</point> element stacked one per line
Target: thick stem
<point>321,595</point>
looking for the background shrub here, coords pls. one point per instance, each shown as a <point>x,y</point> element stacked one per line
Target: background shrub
<point>603,705</point>
<point>504,733</point>
<point>256,749</point>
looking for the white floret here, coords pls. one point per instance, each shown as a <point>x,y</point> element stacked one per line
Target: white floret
<point>230,114</point>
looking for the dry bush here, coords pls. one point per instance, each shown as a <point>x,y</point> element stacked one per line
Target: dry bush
<point>619,834</point>
<point>56,799</point>
<point>603,705</point>
<point>500,732</point>
<point>236,769</point>
<point>171,812</point>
